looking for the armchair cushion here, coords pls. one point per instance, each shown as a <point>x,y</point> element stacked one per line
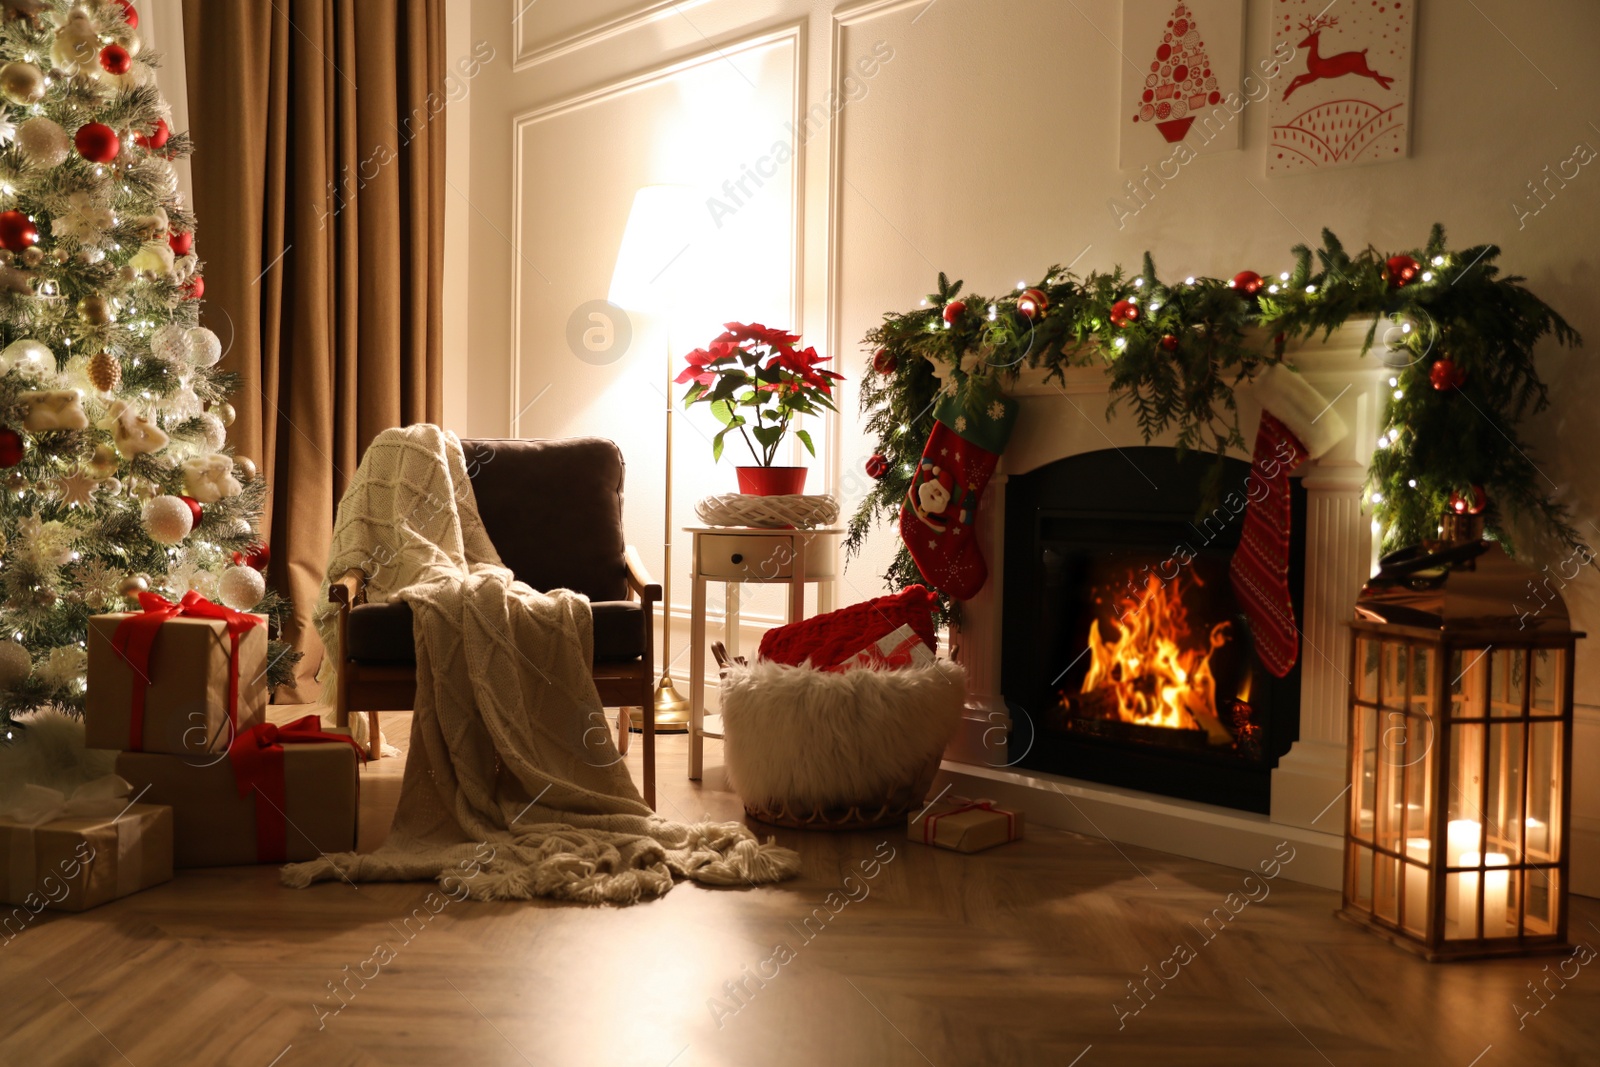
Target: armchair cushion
<point>381,634</point>
<point>554,512</point>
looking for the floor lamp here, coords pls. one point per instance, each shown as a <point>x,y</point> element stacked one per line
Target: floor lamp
<point>646,283</point>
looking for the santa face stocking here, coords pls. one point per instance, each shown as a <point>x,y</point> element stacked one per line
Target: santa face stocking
<point>936,521</point>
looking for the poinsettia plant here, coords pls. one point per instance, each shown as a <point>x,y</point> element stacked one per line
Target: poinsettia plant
<point>758,381</point>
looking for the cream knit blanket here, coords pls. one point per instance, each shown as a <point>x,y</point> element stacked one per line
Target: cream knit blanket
<point>509,748</point>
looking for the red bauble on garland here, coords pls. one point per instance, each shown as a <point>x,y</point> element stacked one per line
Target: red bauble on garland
<point>194,510</point>
<point>129,13</point>
<point>17,231</point>
<point>1446,376</point>
<point>155,140</point>
<point>1473,504</point>
<point>97,142</point>
<point>11,447</point>
<point>182,243</point>
<point>884,361</point>
<point>954,310</point>
<point>1400,270</point>
<point>1124,313</point>
<point>877,466</point>
<point>1032,304</point>
<point>257,556</point>
<point>196,287</point>
<point>1247,282</point>
<point>115,59</point>
<point>1169,343</point>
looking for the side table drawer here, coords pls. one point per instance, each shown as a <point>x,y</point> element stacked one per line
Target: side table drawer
<point>762,557</point>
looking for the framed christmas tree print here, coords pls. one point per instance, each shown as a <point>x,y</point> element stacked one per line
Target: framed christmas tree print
<point>1184,59</point>
<point>1345,97</point>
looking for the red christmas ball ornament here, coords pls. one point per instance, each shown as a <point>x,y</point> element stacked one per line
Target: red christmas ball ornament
<point>1169,343</point>
<point>877,466</point>
<point>194,510</point>
<point>1247,282</point>
<point>1032,304</point>
<point>182,243</point>
<point>954,310</point>
<point>11,447</point>
<point>1400,270</point>
<point>17,231</point>
<point>197,287</point>
<point>257,556</point>
<point>115,59</point>
<point>884,361</point>
<point>97,142</point>
<point>1124,313</point>
<point>157,139</point>
<point>129,13</point>
<point>1471,503</point>
<point>1446,376</point>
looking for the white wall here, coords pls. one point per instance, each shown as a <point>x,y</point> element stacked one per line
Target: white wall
<point>987,146</point>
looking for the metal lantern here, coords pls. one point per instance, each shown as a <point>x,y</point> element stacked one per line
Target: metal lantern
<point>1460,755</point>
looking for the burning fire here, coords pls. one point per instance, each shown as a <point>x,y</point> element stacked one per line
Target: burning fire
<point>1145,667</point>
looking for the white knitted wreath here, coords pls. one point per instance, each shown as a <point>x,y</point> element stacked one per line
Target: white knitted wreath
<point>768,512</point>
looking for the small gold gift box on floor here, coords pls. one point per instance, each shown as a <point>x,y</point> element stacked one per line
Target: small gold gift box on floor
<point>76,853</point>
<point>963,825</point>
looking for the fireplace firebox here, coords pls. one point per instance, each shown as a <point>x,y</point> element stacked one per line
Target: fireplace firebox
<point>1126,658</point>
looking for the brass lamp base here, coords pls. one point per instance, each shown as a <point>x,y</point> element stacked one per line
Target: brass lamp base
<point>672,710</point>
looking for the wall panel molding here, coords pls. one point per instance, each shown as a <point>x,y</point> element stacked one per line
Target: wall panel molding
<point>531,54</point>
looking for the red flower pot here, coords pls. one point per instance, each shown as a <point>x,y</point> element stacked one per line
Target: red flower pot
<point>772,481</point>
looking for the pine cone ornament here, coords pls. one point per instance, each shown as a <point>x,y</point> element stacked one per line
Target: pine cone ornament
<point>105,372</point>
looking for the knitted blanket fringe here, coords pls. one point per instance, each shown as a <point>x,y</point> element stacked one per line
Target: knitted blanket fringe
<point>513,786</point>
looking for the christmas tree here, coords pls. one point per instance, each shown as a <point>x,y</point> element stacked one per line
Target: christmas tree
<point>116,476</point>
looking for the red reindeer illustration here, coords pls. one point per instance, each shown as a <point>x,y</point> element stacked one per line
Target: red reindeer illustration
<point>1318,68</point>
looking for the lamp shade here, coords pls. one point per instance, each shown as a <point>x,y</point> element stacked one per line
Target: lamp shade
<point>660,232</point>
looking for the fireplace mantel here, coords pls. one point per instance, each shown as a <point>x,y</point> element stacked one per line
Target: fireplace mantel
<point>1064,418</point>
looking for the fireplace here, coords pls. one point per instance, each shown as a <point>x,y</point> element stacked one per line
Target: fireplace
<point>1126,658</point>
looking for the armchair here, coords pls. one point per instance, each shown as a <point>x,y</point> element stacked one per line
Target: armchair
<point>553,510</point>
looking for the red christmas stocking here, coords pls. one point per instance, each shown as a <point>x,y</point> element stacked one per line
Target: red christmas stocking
<point>1296,425</point>
<point>936,520</point>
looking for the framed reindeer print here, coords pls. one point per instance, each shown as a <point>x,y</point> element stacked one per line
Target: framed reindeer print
<point>1181,84</point>
<point>1344,97</point>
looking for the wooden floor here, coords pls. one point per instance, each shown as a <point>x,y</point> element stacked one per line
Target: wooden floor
<point>1016,956</point>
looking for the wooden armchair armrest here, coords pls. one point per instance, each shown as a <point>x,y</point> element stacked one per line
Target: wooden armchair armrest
<point>349,590</point>
<point>639,578</point>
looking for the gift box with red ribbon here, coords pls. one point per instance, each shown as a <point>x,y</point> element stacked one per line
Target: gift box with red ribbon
<point>184,678</point>
<point>963,825</point>
<point>280,794</point>
<point>75,852</point>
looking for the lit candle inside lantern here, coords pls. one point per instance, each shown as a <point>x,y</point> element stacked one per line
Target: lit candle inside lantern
<point>1538,835</point>
<point>1496,895</point>
<point>1462,837</point>
<point>1419,849</point>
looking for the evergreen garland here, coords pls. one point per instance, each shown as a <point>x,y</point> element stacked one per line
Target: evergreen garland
<point>1178,363</point>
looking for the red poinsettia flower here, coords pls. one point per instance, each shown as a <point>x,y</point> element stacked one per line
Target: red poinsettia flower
<point>696,370</point>
<point>741,333</point>
<point>806,365</point>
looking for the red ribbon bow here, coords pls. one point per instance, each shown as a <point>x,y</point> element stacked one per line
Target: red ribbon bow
<point>136,636</point>
<point>257,758</point>
<point>963,805</point>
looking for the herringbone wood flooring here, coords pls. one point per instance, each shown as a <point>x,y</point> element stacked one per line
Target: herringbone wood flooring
<point>1015,956</point>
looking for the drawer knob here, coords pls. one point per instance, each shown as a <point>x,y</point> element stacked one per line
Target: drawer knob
<point>738,557</point>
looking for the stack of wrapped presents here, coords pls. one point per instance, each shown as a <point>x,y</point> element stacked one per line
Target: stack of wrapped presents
<point>202,779</point>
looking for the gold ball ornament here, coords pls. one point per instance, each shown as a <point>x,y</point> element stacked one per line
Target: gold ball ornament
<point>128,274</point>
<point>17,482</point>
<point>105,372</point>
<point>33,257</point>
<point>225,411</point>
<point>103,464</point>
<point>6,257</point>
<point>61,256</point>
<point>96,310</point>
<point>133,585</point>
<point>22,83</point>
<point>246,467</point>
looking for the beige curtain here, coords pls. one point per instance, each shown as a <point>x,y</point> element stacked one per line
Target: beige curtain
<point>319,185</point>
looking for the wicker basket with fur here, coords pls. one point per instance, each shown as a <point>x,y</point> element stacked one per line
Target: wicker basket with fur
<point>818,750</point>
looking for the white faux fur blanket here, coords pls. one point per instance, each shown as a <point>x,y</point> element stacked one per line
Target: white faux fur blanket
<point>509,748</point>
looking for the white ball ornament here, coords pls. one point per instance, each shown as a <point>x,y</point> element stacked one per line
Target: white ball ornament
<point>212,432</point>
<point>168,520</point>
<point>28,355</point>
<point>205,348</point>
<point>242,588</point>
<point>171,343</point>
<point>15,665</point>
<point>44,141</point>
